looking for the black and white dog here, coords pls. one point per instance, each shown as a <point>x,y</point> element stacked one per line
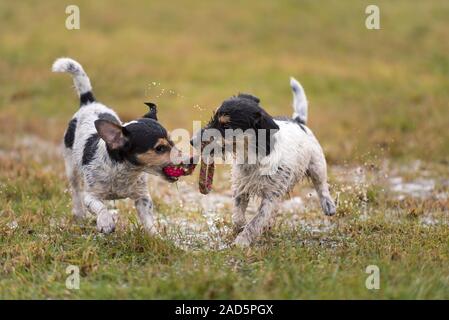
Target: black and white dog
<point>108,160</point>
<point>291,152</point>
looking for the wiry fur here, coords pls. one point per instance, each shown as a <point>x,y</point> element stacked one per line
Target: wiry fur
<point>296,153</point>
<point>99,171</point>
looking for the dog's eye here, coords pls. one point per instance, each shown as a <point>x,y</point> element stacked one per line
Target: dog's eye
<point>161,149</point>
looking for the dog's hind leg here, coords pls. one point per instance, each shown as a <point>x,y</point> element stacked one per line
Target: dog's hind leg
<point>238,213</point>
<point>77,196</point>
<point>144,207</point>
<point>105,220</point>
<point>258,224</point>
<point>75,186</point>
<point>318,173</point>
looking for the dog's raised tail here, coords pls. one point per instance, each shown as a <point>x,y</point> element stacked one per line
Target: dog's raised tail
<point>80,78</point>
<point>300,103</point>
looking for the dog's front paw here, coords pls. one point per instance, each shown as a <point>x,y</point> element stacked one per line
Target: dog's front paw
<point>150,228</point>
<point>328,206</point>
<point>105,223</point>
<point>238,226</point>
<point>78,212</point>
<point>242,241</point>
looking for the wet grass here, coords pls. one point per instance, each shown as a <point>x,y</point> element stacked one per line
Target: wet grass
<point>378,101</point>
<point>306,255</point>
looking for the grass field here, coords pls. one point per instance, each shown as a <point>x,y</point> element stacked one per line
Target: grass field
<point>378,103</point>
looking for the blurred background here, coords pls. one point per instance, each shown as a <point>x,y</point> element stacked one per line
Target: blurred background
<point>372,93</point>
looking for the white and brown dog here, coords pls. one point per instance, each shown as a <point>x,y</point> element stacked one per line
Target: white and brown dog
<point>290,153</point>
<point>107,160</point>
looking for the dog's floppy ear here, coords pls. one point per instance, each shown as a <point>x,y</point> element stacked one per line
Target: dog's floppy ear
<point>112,133</point>
<point>152,114</point>
<point>263,120</point>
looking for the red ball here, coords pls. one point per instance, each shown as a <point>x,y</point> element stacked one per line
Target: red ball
<point>172,171</point>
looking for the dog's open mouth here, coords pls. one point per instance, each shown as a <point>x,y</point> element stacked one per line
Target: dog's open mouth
<point>173,172</point>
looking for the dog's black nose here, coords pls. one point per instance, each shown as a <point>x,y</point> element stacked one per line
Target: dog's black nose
<point>191,142</point>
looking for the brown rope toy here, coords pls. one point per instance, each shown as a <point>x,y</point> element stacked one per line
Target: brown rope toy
<point>207,169</point>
